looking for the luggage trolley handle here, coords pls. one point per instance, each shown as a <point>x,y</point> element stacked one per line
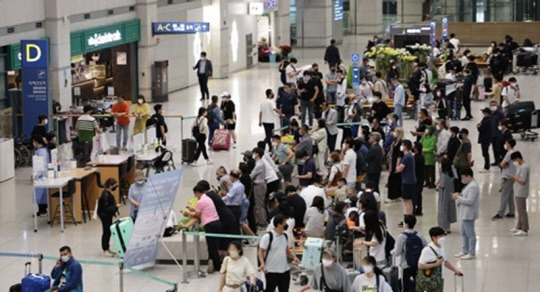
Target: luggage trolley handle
<point>456,282</point>
<point>27,268</point>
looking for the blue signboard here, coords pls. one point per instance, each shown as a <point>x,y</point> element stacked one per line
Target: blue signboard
<point>445,28</point>
<point>355,75</point>
<point>338,10</point>
<point>35,77</point>
<point>433,33</point>
<point>355,58</point>
<point>179,27</point>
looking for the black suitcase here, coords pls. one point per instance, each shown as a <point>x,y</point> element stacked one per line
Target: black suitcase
<point>189,147</point>
<point>15,288</point>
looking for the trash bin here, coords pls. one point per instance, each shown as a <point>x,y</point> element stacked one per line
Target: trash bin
<point>272,57</point>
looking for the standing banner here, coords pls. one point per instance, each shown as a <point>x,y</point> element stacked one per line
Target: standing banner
<point>445,28</point>
<point>35,77</point>
<point>159,193</point>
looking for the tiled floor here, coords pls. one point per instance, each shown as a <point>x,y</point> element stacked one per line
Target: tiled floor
<point>504,263</point>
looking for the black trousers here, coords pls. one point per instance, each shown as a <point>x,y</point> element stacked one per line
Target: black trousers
<point>237,212</point>
<point>485,154</point>
<point>417,198</point>
<point>467,106</point>
<point>268,132</point>
<point>251,213</point>
<point>430,175</point>
<point>203,85</point>
<point>332,142</point>
<point>497,157</point>
<point>374,178</point>
<point>280,281</point>
<point>106,222</point>
<point>409,276</point>
<point>213,243</point>
<point>201,147</point>
<point>272,187</point>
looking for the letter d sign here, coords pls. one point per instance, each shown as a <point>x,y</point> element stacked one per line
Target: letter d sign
<point>30,58</point>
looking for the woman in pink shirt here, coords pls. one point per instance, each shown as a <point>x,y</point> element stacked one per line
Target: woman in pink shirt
<point>205,212</point>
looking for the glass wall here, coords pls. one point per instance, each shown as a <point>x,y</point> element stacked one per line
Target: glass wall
<point>487,10</point>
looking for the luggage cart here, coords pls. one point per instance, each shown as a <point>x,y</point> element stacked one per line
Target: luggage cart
<point>525,60</point>
<point>522,118</point>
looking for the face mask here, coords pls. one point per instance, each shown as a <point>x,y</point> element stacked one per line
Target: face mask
<point>65,258</point>
<point>515,163</point>
<point>285,227</point>
<point>500,128</point>
<point>234,254</point>
<point>307,79</point>
<point>394,67</point>
<point>367,269</point>
<point>114,189</point>
<point>274,144</point>
<point>364,82</point>
<point>439,128</point>
<point>401,148</point>
<point>427,132</point>
<point>442,241</point>
<point>464,182</point>
<point>505,147</point>
<point>140,182</point>
<point>493,108</point>
<point>327,263</point>
<point>46,121</point>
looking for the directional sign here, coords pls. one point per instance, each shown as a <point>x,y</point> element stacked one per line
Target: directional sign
<point>445,28</point>
<point>355,58</point>
<point>179,27</point>
<point>355,76</point>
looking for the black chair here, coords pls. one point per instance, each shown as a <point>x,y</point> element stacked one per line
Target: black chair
<point>84,202</point>
<point>165,160</point>
<point>67,192</point>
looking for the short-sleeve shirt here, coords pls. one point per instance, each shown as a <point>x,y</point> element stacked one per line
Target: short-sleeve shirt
<point>281,153</point>
<point>207,210</point>
<point>228,108</point>
<point>510,168</point>
<point>350,160</point>
<point>309,166</point>
<point>336,278</point>
<point>428,256</point>
<point>331,87</point>
<point>289,69</point>
<point>276,261</point>
<point>286,103</point>
<point>309,88</point>
<point>135,193</point>
<point>523,172</point>
<point>378,251</point>
<point>236,271</point>
<point>160,122</point>
<point>121,108</point>
<point>267,109</point>
<point>86,128</point>
<point>408,176</point>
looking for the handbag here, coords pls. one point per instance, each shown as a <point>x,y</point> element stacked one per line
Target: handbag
<point>429,279</point>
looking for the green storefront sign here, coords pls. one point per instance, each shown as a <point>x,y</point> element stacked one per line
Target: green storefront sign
<point>90,40</point>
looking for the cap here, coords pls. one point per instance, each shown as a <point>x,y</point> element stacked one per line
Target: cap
<point>247,153</point>
<point>331,252</point>
<point>139,175</point>
<point>224,93</point>
<point>486,110</point>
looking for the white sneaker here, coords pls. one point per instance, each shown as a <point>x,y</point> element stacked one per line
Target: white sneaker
<point>467,257</point>
<point>458,255</point>
<point>109,253</point>
<point>194,164</point>
<point>520,233</point>
<point>209,162</point>
<point>484,171</point>
<point>514,230</point>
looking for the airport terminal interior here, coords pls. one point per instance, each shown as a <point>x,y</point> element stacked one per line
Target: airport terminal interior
<point>66,59</point>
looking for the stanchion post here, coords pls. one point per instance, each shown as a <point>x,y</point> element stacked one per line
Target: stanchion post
<point>40,263</point>
<point>184,258</point>
<point>181,128</point>
<point>197,256</point>
<point>121,275</point>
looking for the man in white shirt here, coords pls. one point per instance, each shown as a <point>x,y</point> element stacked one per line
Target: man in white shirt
<point>291,72</point>
<point>313,190</point>
<point>455,42</point>
<point>510,93</point>
<point>399,99</point>
<point>349,162</point>
<point>267,116</point>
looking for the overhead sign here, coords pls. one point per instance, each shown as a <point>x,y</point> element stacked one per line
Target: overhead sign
<point>159,194</point>
<point>35,77</point>
<point>255,8</point>
<point>338,10</point>
<point>179,27</point>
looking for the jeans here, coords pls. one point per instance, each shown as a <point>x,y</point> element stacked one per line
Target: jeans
<point>468,237</point>
<point>331,97</point>
<point>485,154</point>
<point>106,223</point>
<point>211,128</point>
<point>268,132</point>
<point>281,281</point>
<point>507,197</point>
<point>124,130</point>
<point>203,85</point>
<point>408,280</point>
<point>398,110</point>
<point>522,217</point>
<point>306,107</point>
<point>201,147</point>
<point>332,142</point>
<point>286,172</point>
<point>213,243</point>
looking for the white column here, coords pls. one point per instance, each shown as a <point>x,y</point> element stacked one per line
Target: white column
<point>217,41</point>
<point>366,17</point>
<point>147,13</point>
<point>315,22</point>
<point>282,24</point>
<point>409,10</point>
<point>57,29</point>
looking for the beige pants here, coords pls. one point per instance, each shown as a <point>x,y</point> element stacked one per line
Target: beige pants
<point>229,289</point>
<point>359,252</point>
<point>522,217</point>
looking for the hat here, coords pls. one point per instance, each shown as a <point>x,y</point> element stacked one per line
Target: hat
<point>224,94</point>
<point>139,175</point>
<point>248,153</point>
<point>464,131</point>
<point>486,110</point>
<point>331,252</point>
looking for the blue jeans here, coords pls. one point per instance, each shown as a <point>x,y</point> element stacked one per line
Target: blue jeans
<point>331,97</point>
<point>398,110</point>
<point>211,128</point>
<point>119,129</point>
<point>468,237</point>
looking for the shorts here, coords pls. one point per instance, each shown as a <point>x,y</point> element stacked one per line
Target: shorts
<point>245,208</point>
<point>407,191</point>
<point>230,126</point>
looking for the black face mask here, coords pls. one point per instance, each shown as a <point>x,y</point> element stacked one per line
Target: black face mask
<point>114,189</point>
<point>285,227</point>
<point>460,137</point>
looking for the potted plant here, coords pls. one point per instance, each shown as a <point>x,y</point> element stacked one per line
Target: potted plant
<point>285,50</point>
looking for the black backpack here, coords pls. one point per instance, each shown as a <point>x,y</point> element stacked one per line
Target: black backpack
<point>271,234</point>
<point>151,121</point>
<point>413,248</point>
<point>195,131</point>
<point>390,243</point>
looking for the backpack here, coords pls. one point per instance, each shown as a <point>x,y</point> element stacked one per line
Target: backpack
<point>210,115</point>
<point>389,246</point>
<point>195,131</point>
<point>337,176</point>
<point>413,248</point>
<point>151,121</point>
<point>271,235</point>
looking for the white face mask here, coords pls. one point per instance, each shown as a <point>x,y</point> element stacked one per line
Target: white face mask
<point>65,259</point>
<point>505,147</point>
<point>274,144</point>
<point>464,182</point>
<point>442,241</point>
<point>401,148</point>
<point>327,263</point>
<point>516,164</point>
<point>234,254</point>
<point>140,101</point>
<point>500,128</point>
<point>45,121</point>
<point>367,269</point>
<point>423,90</point>
<point>493,108</point>
<point>140,182</point>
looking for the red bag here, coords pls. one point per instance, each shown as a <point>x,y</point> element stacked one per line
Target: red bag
<point>221,140</point>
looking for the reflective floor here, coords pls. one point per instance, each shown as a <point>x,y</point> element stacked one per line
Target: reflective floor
<point>504,263</point>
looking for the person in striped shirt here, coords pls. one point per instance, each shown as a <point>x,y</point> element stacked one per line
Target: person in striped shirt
<point>87,127</point>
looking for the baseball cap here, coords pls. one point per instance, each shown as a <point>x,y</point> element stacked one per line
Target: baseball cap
<point>248,153</point>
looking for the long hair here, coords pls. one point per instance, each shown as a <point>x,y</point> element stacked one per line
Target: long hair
<point>202,110</point>
<point>373,226</point>
<point>318,202</point>
<point>376,270</point>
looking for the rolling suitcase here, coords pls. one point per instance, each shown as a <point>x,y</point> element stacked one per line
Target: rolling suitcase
<point>391,272</point>
<point>121,232</point>
<point>456,284</point>
<point>15,288</point>
<point>189,147</point>
<point>312,254</point>
<point>34,282</point>
<point>221,140</point>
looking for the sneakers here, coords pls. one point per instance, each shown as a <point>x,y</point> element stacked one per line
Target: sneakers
<point>496,217</point>
<point>209,162</point>
<point>459,255</point>
<point>484,171</point>
<point>510,215</point>
<point>514,230</point>
<point>42,214</point>
<point>210,268</point>
<point>194,164</point>
<point>109,253</point>
<point>520,233</point>
<point>467,257</point>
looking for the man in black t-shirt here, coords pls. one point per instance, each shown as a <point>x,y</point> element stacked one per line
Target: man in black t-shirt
<point>307,91</point>
<point>229,115</point>
<point>161,126</point>
<point>298,205</point>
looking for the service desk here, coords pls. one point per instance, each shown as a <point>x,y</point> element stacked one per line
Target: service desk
<point>53,183</point>
<point>117,167</point>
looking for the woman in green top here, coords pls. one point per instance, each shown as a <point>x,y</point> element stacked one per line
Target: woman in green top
<point>429,141</point>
